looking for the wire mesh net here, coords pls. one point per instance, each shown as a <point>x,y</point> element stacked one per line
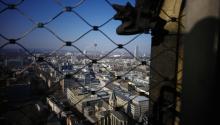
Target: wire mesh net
<point>47,67</point>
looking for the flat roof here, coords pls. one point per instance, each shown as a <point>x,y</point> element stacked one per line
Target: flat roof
<point>141,98</point>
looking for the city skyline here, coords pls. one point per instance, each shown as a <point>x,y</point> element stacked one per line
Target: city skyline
<point>70,65</point>
<point>68,26</point>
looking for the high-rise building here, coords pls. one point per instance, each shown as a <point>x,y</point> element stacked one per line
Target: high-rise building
<point>139,107</point>
<point>136,52</point>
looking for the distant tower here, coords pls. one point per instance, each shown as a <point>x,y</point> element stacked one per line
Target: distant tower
<point>112,101</point>
<point>85,52</point>
<point>136,52</point>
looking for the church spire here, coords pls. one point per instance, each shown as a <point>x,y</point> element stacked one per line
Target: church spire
<point>112,101</point>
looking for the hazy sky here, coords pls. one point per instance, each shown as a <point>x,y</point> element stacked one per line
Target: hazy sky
<point>67,26</point>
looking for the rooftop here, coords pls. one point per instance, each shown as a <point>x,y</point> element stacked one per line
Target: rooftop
<point>140,98</point>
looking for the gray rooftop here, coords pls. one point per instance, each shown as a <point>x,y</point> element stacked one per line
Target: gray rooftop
<point>140,98</point>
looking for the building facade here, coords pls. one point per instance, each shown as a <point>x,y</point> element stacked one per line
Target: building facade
<point>139,106</point>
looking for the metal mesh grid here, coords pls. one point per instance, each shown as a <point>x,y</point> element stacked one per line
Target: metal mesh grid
<point>93,28</point>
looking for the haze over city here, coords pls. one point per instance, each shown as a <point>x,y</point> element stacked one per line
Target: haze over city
<point>68,26</point>
<point>62,63</point>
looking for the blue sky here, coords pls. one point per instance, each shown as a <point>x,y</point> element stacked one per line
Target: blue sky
<point>67,26</point>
